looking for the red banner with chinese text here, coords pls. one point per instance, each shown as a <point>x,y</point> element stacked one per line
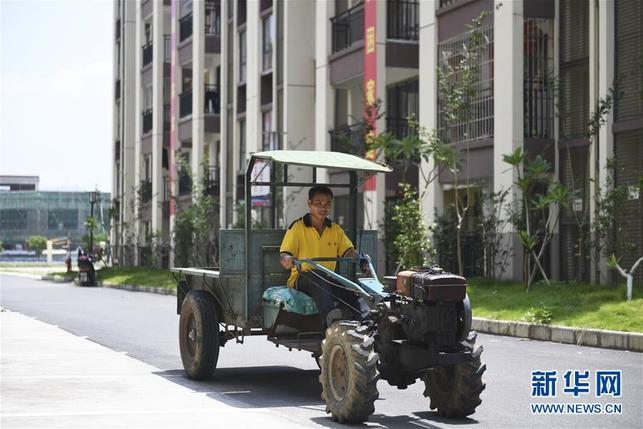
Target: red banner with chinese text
<point>370,79</point>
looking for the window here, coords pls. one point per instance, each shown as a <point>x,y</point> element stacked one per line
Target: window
<point>574,69</point>
<point>242,145</point>
<point>147,174</point>
<point>267,42</point>
<point>62,219</point>
<point>242,56</point>
<point>478,122</point>
<point>538,67</point>
<point>266,128</point>
<point>402,102</point>
<point>147,97</point>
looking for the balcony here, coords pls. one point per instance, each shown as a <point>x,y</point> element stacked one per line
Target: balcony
<point>348,139</point>
<point>185,27</point>
<point>147,121</point>
<point>146,191</point>
<point>211,181</point>
<point>347,28</point>
<point>148,54</point>
<point>185,104</point>
<point>211,100</point>
<point>403,17</point>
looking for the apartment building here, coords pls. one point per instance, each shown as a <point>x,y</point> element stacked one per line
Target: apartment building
<point>204,83</point>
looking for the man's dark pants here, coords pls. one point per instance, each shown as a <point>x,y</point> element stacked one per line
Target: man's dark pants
<point>324,292</point>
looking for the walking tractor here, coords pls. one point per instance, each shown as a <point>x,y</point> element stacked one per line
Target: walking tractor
<point>418,326</point>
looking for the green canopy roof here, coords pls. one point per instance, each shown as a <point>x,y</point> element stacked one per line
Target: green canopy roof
<point>332,160</point>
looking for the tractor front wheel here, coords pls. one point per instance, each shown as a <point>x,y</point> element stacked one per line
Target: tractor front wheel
<point>348,372</point>
<point>455,389</point>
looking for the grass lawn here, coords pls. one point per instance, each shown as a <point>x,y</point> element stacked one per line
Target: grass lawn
<point>131,276</point>
<point>568,304</point>
<point>137,276</point>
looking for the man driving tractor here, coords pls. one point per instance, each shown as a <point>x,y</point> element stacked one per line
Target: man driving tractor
<point>316,236</point>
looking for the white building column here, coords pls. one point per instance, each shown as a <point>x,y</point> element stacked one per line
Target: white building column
<point>432,202</point>
<point>198,92</point>
<point>324,92</point>
<point>138,127</point>
<point>129,82</point>
<point>508,108</point>
<point>253,78</point>
<point>374,200</point>
<point>224,174</point>
<point>606,35</point>
<point>299,98</point>
<point>158,24</point>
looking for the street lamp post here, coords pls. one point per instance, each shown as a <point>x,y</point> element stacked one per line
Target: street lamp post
<point>93,197</point>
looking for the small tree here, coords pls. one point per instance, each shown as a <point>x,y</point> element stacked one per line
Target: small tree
<point>412,243</point>
<point>37,243</point>
<point>492,226</point>
<point>458,86</point>
<point>534,217</point>
<point>196,227</point>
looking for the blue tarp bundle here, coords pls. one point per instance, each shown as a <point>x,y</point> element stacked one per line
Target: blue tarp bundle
<point>293,300</point>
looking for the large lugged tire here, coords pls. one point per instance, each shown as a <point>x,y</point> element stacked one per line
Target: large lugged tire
<point>199,339</point>
<point>455,389</point>
<point>348,372</point>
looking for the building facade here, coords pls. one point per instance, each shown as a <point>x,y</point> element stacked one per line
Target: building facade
<point>50,214</point>
<point>201,84</point>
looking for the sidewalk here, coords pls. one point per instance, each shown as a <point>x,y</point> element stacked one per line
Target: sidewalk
<point>52,378</point>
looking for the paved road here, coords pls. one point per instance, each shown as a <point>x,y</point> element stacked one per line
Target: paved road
<point>259,375</point>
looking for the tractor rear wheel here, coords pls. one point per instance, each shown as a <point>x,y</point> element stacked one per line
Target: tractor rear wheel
<point>455,389</point>
<point>199,339</point>
<point>348,372</point>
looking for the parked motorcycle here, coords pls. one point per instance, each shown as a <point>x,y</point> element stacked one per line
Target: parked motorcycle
<point>86,272</point>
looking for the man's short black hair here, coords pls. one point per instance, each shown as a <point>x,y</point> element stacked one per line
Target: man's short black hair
<point>325,190</point>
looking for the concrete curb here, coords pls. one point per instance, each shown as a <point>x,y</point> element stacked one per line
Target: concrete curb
<point>137,288</point>
<point>57,279</point>
<point>619,340</point>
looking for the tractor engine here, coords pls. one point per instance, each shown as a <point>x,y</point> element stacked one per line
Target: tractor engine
<point>421,324</point>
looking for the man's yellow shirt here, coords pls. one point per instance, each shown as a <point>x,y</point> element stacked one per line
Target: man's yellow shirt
<point>304,242</point>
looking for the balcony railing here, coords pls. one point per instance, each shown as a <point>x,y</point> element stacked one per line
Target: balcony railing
<point>185,27</point>
<point>403,20</point>
<point>146,191</point>
<point>347,27</point>
<point>211,181</point>
<point>147,54</point>
<point>211,99</point>
<point>147,121</point>
<point>348,139</point>
<point>185,104</point>
<point>539,109</point>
